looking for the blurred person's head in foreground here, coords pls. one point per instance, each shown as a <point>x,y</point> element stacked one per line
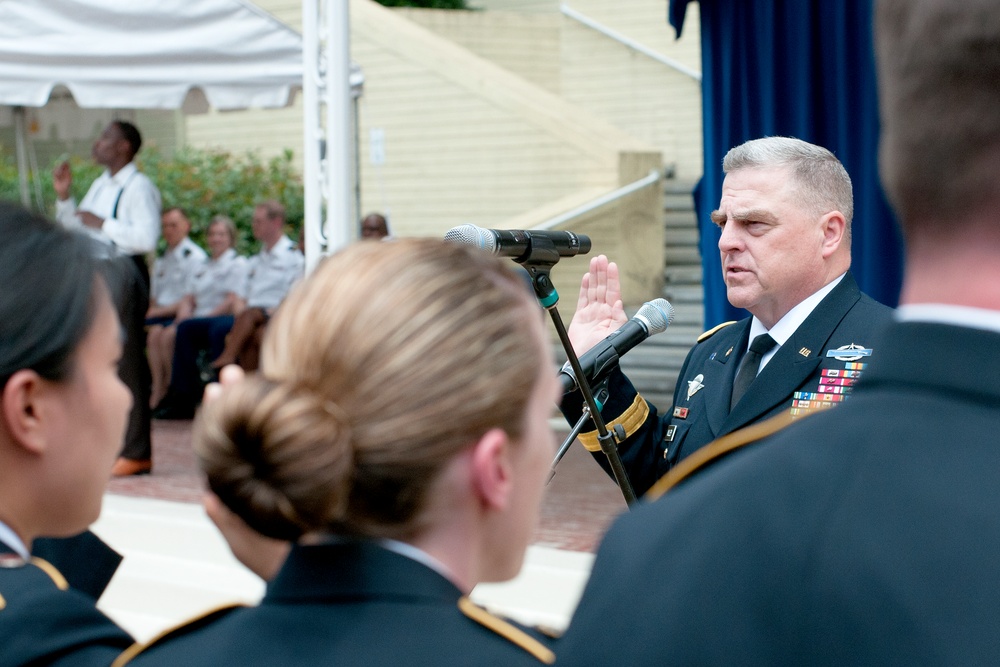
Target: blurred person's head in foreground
<point>404,395</point>
<point>63,409</point>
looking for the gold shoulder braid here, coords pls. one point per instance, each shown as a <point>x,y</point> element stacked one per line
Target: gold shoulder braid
<point>711,332</point>
<point>135,649</point>
<point>54,574</point>
<point>511,633</point>
<point>717,449</point>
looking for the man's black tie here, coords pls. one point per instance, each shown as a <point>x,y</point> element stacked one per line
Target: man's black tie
<point>749,366</point>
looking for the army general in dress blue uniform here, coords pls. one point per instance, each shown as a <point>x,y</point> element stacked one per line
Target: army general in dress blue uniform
<point>785,221</point>
<point>868,534</point>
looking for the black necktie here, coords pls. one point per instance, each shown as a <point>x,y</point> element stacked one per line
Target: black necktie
<point>760,346</point>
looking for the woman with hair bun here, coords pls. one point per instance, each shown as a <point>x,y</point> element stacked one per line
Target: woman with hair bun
<point>398,435</point>
<point>63,411</point>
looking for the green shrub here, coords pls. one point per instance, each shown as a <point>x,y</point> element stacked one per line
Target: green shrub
<point>204,183</point>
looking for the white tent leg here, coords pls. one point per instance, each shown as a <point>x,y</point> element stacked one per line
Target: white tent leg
<point>21,147</point>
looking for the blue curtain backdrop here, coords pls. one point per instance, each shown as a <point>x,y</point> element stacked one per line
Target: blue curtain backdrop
<point>800,68</point>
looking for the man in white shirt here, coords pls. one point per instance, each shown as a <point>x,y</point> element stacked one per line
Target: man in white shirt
<point>173,271</point>
<point>121,210</point>
<point>122,206</point>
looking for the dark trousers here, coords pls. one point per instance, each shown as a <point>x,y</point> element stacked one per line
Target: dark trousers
<point>128,281</point>
<point>193,336</point>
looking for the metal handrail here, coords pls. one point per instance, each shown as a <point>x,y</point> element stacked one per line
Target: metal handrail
<point>629,42</point>
<point>644,182</point>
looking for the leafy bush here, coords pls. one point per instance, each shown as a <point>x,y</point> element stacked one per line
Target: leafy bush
<point>204,183</point>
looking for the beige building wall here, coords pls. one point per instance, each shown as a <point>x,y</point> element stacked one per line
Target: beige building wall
<point>644,97</point>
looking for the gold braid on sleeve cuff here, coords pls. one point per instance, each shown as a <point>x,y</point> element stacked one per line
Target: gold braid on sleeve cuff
<point>631,420</point>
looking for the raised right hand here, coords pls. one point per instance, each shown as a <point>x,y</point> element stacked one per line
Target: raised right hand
<point>599,310</point>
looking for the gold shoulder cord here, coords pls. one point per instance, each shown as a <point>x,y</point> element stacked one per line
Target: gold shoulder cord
<point>716,449</point>
<point>509,632</point>
<point>711,332</point>
<point>135,649</point>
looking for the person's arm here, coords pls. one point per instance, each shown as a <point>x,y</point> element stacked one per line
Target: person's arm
<point>228,306</point>
<point>156,310</point>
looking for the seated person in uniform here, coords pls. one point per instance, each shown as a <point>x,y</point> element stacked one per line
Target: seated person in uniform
<point>398,434</point>
<point>63,413</point>
<point>244,340</point>
<point>270,275</point>
<point>172,272</point>
<point>213,289</point>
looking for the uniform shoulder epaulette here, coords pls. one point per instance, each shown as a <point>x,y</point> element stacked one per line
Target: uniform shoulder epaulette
<point>54,574</point>
<point>711,332</point>
<point>180,629</point>
<point>717,449</point>
<point>11,561</point>
<point>507,630</point>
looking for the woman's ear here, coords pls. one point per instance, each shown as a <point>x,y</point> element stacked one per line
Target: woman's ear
<point>22,410</point>
<point>491,469</point>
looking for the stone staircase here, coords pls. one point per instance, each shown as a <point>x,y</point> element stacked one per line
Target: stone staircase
<point>654,366</point>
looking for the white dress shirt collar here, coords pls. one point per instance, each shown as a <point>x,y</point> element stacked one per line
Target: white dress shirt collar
<point>10,538</point>
<point>793,319</point>
<point>943,313</point>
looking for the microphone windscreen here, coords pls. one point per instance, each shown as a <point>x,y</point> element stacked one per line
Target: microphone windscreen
<point>474,236</point>
<point>658,314</point>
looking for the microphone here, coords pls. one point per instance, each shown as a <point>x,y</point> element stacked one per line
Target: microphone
<point>519,243</point>
<point>598,362</point>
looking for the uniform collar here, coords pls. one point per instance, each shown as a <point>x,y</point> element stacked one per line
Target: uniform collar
<point>944,313</point>
<point>793,319</point>
<point>280,247</point>
<point>356,569</point>
<point>123,174</point>
<point>10,539</point>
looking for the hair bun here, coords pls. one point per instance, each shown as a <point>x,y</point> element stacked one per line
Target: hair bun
<point>278,455</point>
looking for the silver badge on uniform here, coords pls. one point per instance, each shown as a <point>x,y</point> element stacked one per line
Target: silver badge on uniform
<point>695,385</point>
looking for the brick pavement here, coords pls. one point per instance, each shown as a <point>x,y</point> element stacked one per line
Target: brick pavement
<point>580,503</point>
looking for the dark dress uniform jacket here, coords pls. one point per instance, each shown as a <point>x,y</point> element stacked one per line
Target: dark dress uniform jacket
<point>794,378</point>
<point>44,622</point>
<point>868,534</point>
<point>348,604</point>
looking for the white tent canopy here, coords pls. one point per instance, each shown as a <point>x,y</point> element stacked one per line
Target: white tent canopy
<point>147,54</point>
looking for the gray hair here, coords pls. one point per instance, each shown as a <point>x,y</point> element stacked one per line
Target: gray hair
<point>226,222</point>
<point>821,178</point>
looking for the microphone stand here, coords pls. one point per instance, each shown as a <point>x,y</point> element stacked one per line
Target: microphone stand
<point>538,262</point>
<point>600,397</point>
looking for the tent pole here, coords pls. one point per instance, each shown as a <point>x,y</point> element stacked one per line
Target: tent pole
<point>312,172</point>
<point>340,229</point>
<point>21,147</point>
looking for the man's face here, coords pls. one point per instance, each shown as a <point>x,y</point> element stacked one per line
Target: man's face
<point>262,224</point>
<point>108,145</point>
<point>175,227</point>
<point>771,246</point>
